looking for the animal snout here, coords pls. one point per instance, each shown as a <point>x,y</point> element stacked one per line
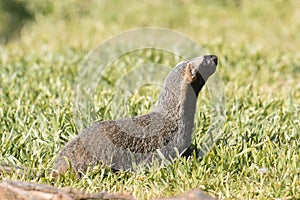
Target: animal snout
<point>213,58</point>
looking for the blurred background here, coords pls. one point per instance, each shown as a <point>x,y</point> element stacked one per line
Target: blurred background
<point>269,24</point>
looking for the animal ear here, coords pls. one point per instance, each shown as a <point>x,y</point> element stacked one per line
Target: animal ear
<point>190,74</point>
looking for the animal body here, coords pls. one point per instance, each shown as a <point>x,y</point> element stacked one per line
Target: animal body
<point>165,131</point>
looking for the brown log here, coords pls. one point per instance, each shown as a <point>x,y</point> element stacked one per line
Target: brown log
<point>18,190</point>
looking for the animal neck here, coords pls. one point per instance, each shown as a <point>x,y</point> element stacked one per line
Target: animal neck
<point>198,84</point>
<point>188,104</point>
<point>170,98</point>
<point>178,98</point>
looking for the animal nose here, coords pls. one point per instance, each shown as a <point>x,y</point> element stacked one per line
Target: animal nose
<point>211,58</point>
<point>214,58</point>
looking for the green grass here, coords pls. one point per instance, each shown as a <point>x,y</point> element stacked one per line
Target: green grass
<point>258,47</point>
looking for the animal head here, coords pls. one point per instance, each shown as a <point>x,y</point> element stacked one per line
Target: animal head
<point>203,66</point>
<point>199,69</point>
